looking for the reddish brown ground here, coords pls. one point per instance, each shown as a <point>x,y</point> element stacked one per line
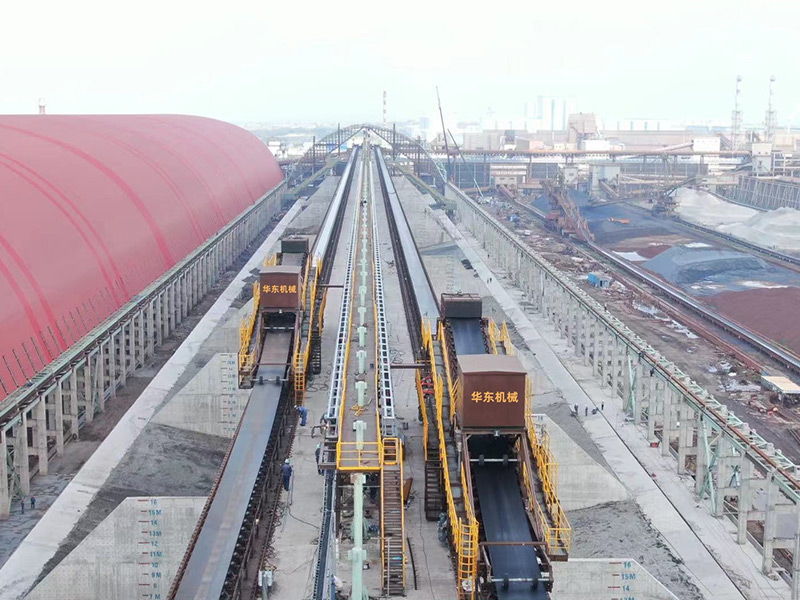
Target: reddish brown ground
<point>772,313</point>
<point>651,251</point>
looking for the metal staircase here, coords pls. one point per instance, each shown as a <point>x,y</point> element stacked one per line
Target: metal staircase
<point>392,520</point>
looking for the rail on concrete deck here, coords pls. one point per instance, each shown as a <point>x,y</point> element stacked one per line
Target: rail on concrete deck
<point>355,420</point>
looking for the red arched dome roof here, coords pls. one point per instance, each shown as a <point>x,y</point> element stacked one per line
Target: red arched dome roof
<point>95,208</point>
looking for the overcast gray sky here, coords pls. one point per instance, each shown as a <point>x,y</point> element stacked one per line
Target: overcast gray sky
<point>247,60</point>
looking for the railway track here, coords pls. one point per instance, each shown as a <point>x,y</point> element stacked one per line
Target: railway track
<point>782,356</point>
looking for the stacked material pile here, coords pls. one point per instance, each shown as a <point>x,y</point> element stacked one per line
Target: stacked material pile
<point>778,229</point>
<point>775,229</point>
<point>708,210</point>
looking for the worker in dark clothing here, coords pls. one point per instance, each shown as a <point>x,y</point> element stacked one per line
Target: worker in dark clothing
<point>33,502</point>
<point>303,415</point>
<point>317,454</point>
<point>586,411</point>
<point>22,505</point>
<point>287,474</point>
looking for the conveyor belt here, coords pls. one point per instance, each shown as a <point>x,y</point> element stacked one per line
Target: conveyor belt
<point>467,336</point>
<point>207,566</point>
<point>504,520</point>
<point>326,232</point>
<point>423,290</point>
<point>292,259</point>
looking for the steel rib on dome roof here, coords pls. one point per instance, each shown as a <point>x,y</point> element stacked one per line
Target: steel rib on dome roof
<point>95,208</point>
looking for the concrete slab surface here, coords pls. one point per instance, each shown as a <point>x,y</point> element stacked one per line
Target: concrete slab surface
<point>211,402</point>
<point>606,579</point>
<point>134,552</point>
<point>582,482</point>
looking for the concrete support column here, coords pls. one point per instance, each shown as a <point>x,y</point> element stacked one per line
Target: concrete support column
<point>100,378</point>
<point>745,504</point>
<point>163,311</point>
<point>684,433</point>
<point>88,391</point>
<point>615,360</point>
<point>40,434</point>
<point>652,406</point>
<point>73,404</point>
<point>111,361</point>
<point>595,333</point>
<point>59,417</point>
<point>545,298</point>
<point>536,281</point>
<point>21,454</point>
<point>666,433</point>
<point>796,557</point>
<point>124,351</point>
<point>724,460</point>
<point>137,339</point>
<point>585,332</point>
<point>600,352</point>
<point>701,460</point>
<point>158,317</point>
<point>770,519</point>
<point>628,375</point>
<point>150,328</point>
<point>5,493</point>
<point>175,309</point>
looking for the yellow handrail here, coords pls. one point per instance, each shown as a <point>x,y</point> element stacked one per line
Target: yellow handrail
<point>505,337</point>
<point>557,530</point>
<point>493,332</point>
<point>464,531</point>
<point>246,357</point>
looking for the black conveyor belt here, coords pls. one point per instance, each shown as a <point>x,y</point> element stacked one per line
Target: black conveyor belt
<point>208,565</point>
<point>423,290</point>
<point>504,520</point>
<point>467,336</point>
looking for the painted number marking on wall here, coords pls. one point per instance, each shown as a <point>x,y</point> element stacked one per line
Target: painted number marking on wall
<point>149,515</point>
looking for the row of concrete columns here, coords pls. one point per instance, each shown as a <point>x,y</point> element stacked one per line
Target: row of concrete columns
<point>626,367</point>
<point>54,414</point>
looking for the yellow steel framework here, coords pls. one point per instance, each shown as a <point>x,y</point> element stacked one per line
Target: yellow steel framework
<point>557,530</point>
<point>464,530</point>
<point>247,357</point>
<point>505,339</point>
<point>452,384</point>
<point>494,333</point>
<point>302,347</point>
<point>423,411</point>
<point>270,260</point>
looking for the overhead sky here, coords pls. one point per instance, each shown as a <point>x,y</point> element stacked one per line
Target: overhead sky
<point>289,60</point>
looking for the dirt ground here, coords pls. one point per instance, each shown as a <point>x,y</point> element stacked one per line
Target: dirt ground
<point>619,530</point>
<point>726,378</point>
<point>771,312</point>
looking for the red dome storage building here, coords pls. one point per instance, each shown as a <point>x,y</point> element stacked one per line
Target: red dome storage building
<point>95,208</point>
